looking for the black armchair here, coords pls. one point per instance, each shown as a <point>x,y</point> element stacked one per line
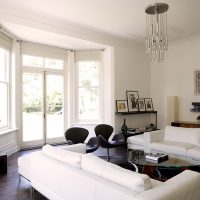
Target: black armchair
<point>92,145</point>
<point>103,132</point>
<point>76,135</point>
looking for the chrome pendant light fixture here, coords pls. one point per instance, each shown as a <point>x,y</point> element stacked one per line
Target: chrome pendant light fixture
<point>156,31</point>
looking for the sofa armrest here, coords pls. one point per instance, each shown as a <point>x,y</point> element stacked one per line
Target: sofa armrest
<point>183,186</point>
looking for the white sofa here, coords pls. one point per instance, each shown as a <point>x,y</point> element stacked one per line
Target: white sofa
<point>65,175</point>
<point>24,162</point>
<point>175,140</point>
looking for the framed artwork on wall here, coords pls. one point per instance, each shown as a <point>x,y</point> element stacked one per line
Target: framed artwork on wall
<point>197,82</point>
<point>141,105</point>
<point>132,98</point>
<point>148,104</point>
<point>121,106</point>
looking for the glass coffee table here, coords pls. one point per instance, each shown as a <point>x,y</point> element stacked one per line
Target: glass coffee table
<point>174,165</point>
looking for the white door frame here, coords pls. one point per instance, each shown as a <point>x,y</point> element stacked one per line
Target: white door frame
<point>44,140</point>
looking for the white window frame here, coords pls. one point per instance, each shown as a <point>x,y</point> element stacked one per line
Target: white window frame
<point>81,56</point>
<point>6,44</point>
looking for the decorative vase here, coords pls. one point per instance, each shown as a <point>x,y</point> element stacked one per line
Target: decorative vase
<point>124,127</point>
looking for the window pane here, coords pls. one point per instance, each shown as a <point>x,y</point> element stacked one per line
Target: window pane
<point>32,61</point>
<point>55,115</point>
<point>32,107</point>
<point>88,73</point>
<point>4,105</point>
<point>53,63</point>
<point>2,65</point>
<point>88,104</point>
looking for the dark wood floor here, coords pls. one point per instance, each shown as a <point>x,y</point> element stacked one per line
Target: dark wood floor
<point>11,189</point>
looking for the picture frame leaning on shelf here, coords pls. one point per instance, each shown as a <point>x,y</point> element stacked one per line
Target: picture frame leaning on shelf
<point>121,106</point>
<point>148,104</point>
<point>132,98</point>
<point>141,105</point>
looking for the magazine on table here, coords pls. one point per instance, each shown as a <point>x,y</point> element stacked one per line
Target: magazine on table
<point>156,157</point>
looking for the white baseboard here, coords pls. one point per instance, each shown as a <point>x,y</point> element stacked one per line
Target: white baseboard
<point>9,148</point>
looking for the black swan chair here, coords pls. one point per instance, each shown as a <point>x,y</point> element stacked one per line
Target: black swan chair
<point>103,132</point>
<point>92,145</point>
<point>77,135</point>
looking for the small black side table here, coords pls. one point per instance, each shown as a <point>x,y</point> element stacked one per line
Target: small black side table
<point>3,164</point>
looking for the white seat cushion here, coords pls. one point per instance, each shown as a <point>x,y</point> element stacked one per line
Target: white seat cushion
<point>179,134</point>
<point>194,152</point>
<point>137,139</point>
<point>135,181</point>
<point>178,148</point>
<point>66,156</point>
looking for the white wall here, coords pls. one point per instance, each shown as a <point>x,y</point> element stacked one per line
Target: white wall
<point>132,72</point>
<point>175,77</point>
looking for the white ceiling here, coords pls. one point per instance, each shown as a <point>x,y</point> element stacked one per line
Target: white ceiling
<point>121,18</point>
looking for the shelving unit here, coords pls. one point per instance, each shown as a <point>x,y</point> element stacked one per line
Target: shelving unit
<point>139,112</point>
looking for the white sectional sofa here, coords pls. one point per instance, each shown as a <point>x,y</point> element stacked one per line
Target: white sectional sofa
<point>65,175</point>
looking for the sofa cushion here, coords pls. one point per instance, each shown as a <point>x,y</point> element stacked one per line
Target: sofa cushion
<point>66,156</point>
<point>178,148</point>
<point>93,164</point>
<point>194,152</point>
<point>135,181</point>
<point>179,134</point>
<point>79,148</point>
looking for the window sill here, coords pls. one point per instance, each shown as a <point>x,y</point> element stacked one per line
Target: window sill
<point>7,131</point>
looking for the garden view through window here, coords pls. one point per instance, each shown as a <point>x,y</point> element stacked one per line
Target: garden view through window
<point>88,91</point>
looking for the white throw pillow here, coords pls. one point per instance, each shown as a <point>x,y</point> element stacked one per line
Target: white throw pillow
<point>179,134</point>
<point>116,174</point>
<point>66,156</point>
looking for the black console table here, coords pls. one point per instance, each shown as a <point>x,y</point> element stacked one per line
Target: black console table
<point>140,112</point>
<point>3,164</point>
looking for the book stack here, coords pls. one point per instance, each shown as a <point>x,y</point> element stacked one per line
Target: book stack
<point>156,157</point>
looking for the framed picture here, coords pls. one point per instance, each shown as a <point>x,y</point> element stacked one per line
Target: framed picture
<point>148,104</point>
<point>141,105</point>
<point>121,106</point>
<point>197,82</point>
<point>132,98</point>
